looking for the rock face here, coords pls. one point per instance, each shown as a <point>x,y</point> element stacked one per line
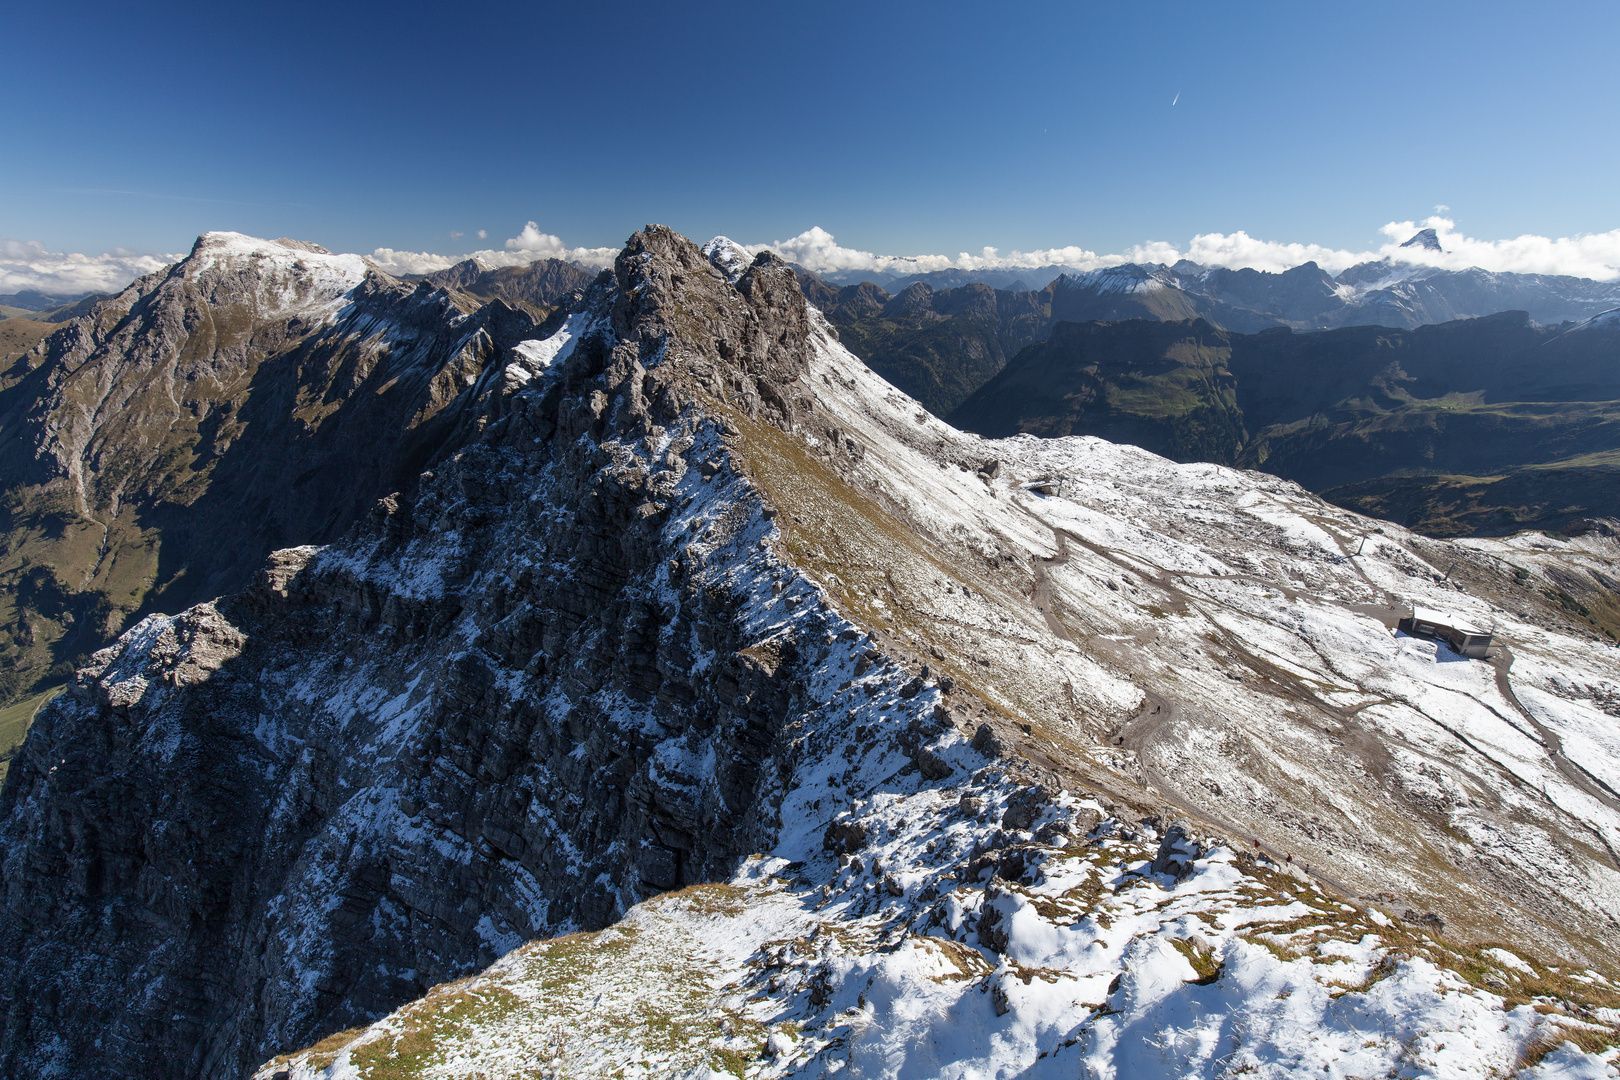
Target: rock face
<point>512,703</point>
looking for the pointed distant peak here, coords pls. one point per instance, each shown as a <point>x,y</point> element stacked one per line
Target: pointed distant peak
<point>462,275</point>
<point>728,257</point>
<point>1426,239</point>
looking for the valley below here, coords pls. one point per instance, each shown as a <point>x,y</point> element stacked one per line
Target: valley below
<point>1481,426</point>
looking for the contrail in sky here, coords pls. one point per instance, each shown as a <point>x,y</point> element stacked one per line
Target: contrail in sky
<point>1177,97</point>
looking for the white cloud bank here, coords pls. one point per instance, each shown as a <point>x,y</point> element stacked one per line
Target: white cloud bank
<point>1591,255</point>
<point>27,265</point>
<point>521,250</point>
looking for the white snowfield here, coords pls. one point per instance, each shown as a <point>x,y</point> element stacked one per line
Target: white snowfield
<point>1435,876</point>
<point>292,276</point>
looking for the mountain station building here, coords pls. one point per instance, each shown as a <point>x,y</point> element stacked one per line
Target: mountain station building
<point>1465,640</point>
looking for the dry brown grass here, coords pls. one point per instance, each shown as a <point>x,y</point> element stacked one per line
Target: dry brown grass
<point>1587,1040</point>
<point>1202,959</point>
<point>439,1016</point>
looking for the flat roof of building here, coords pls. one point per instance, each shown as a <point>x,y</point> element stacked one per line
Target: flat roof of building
<point>1441,618</point>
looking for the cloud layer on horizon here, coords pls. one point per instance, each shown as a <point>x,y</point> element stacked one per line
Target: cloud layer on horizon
<point>28,265</point>
<point>25,265</point>
<point>526,247</point>
<point>1590,255</point>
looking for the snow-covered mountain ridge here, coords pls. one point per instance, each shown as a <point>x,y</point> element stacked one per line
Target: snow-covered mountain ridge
<point>1307,297</point>
<point>704,588</point>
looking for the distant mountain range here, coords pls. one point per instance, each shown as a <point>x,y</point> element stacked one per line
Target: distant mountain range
<point>541,284</point>
<point>940,344</point>
<point>1012,279</point>
<point>1306,297</point>
<point>1309,298</point>
<point>34,300</point>
<point>48,307</point>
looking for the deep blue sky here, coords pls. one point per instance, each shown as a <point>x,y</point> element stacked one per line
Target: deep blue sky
<point>900,127</point>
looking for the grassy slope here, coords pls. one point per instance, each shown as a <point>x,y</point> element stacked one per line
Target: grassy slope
<point>1451,435</point>
<point>1542,495</point>
<point>541,1012</point>
<point>66,584</point>
<point>14,723</point>
<point>18,335</point>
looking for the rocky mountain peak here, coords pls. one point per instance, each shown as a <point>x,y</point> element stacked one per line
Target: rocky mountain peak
<point>265,393</point>
<point>1427,239</point>
<point>542,284</point>
<point>913,300</point>
<point>728,256</point>
<point>459,276</point>
<point>671,305</point>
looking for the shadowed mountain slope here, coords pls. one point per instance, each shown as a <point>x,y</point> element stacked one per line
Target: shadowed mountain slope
<point>936,345</point>
<point>540,286</point>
